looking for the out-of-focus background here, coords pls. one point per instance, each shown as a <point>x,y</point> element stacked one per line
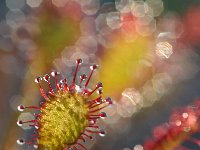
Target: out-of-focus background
<point>148,52</point>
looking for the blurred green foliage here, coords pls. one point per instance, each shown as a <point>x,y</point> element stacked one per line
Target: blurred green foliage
<point>55,34</point>
<point>179,6</point>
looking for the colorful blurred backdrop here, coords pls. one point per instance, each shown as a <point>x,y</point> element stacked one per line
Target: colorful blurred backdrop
<point>149,57</point>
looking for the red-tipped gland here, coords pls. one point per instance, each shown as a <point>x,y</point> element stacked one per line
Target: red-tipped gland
<point>102,115</point>
<point>19,123</point>
<point>94,67</point>
<point>79,61</point>
<point>100,91</point>
<point>64,80</point>
<point>102,133</point>
<point>99,85</point>
<point>20,108</point>
<point>46,78</point>
<point>99,100</point>
<point>108,100</point>
<point>20,142</point>
<point>54,73</point>
<point>38,79</point>
<point>83,76</point>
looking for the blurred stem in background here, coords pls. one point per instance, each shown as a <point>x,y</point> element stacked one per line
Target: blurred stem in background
<point>56,32</point>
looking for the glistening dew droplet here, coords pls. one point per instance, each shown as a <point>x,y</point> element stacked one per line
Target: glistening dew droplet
<point>69,114</point>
